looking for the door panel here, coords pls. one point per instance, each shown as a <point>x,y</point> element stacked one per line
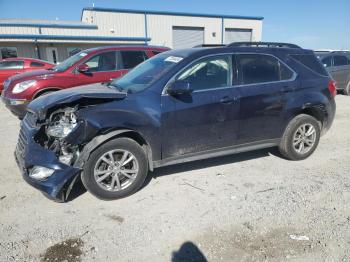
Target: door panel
<point>205,119</point>
<point>341,75</point>
<point>261,112</point>
<point>341,70</point>
<point>266,86</point>
<point>199,121</point>
<point>52,54</point>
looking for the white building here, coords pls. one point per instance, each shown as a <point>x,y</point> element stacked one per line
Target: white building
<point>56,40</point>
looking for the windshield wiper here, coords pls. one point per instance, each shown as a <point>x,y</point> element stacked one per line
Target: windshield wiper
<point>116,87</point>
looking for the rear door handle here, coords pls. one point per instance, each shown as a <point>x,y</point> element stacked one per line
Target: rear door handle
<point>286,89</point>
<point>227,100</point>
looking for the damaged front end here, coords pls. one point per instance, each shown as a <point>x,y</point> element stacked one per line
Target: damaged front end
<point>45,158</point>
<point>50,142</point>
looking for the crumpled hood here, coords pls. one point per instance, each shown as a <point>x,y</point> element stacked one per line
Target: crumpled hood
<point>40,105</point>
<point>36,74</point>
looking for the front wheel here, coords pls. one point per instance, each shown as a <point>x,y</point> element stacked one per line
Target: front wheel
<point>300,138</point>
<point>116,169</point>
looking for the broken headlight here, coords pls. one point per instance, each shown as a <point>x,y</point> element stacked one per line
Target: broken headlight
<point>62,122</point>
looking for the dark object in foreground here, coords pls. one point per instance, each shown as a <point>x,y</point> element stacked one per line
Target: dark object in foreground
<point>177,107</point>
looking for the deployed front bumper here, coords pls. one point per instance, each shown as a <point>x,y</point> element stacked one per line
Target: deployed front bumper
<point>29,154</point>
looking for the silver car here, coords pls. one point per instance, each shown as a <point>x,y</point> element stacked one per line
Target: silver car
<point>337,64</point>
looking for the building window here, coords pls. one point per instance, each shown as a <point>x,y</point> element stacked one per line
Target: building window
<point>73,50</point>
<point>8,52</point>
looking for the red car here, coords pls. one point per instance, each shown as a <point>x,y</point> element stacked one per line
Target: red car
<point>90,66</point>
<point>14,66</point>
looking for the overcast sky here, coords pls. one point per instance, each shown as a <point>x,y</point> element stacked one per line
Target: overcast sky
<point>311,24</point>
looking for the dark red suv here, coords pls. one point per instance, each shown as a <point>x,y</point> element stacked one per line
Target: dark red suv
<point>90,66</point>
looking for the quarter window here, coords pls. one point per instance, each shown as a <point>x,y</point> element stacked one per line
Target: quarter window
<point>103,62</point>
<point>208,73</point>
<point>36,64</point>
<point>132,58</point>
<point>340,60</point>
<point>311,62</point>
<point>8,52</point>
<point>262,69</point>
<point>11,65</point>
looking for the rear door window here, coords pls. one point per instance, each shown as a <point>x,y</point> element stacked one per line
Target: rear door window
<point>255,68</point>
<point>340,60</point>
<point>10,65</point>
<point>103,62</point>
<point>132,58</point>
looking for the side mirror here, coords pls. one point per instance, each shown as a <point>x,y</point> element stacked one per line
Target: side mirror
<point>180,87</point>
<point>83,68</point>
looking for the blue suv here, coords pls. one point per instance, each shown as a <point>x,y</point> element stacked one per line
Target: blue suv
<point>178,106</point>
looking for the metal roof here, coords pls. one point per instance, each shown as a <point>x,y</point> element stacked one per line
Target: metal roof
<point>116,10</point>
<point>46,23</point>
<point>73,37</point>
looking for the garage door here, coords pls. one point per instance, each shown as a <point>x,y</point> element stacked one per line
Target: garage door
<point>186,37</point>
<point>237,35</point>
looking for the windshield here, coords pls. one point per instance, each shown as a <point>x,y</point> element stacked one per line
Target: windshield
<point>69,62</point>
<point>145,74</point>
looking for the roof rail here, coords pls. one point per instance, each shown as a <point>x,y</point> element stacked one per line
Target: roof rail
<point>209,45</point>
<point>264,44</point>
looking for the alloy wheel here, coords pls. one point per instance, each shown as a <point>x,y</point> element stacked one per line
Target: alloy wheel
<point>116,170</point>
<point>304,138</point>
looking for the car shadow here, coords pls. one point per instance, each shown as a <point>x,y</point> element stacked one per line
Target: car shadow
<point>210,162</point>
<point>79,189</point>
<point>188,252</point>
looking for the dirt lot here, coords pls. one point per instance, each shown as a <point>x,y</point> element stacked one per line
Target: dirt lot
<point>249,207</point>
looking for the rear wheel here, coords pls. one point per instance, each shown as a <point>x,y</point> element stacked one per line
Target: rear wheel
<point>300,138</point>
<point>116,169</point>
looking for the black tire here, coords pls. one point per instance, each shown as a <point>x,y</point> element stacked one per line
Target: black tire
<point>127,144</point>
<point>286,146</point>
<point>347,90</point>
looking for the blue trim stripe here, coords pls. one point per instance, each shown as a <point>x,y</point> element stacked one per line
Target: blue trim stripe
<point>73,37</point>
<point>115,10</point>
<point>72,26</point>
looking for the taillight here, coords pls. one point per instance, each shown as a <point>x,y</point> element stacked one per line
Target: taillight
<point>332,87</point>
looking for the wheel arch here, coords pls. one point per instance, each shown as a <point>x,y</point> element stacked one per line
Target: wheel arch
<point>103,138</point>
<point>318,112</point>
<point>45,90</point>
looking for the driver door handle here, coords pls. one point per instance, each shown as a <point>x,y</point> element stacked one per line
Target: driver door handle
<point>227,100</point>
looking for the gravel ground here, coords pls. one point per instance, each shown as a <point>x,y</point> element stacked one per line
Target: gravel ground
<point>248,207</point>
